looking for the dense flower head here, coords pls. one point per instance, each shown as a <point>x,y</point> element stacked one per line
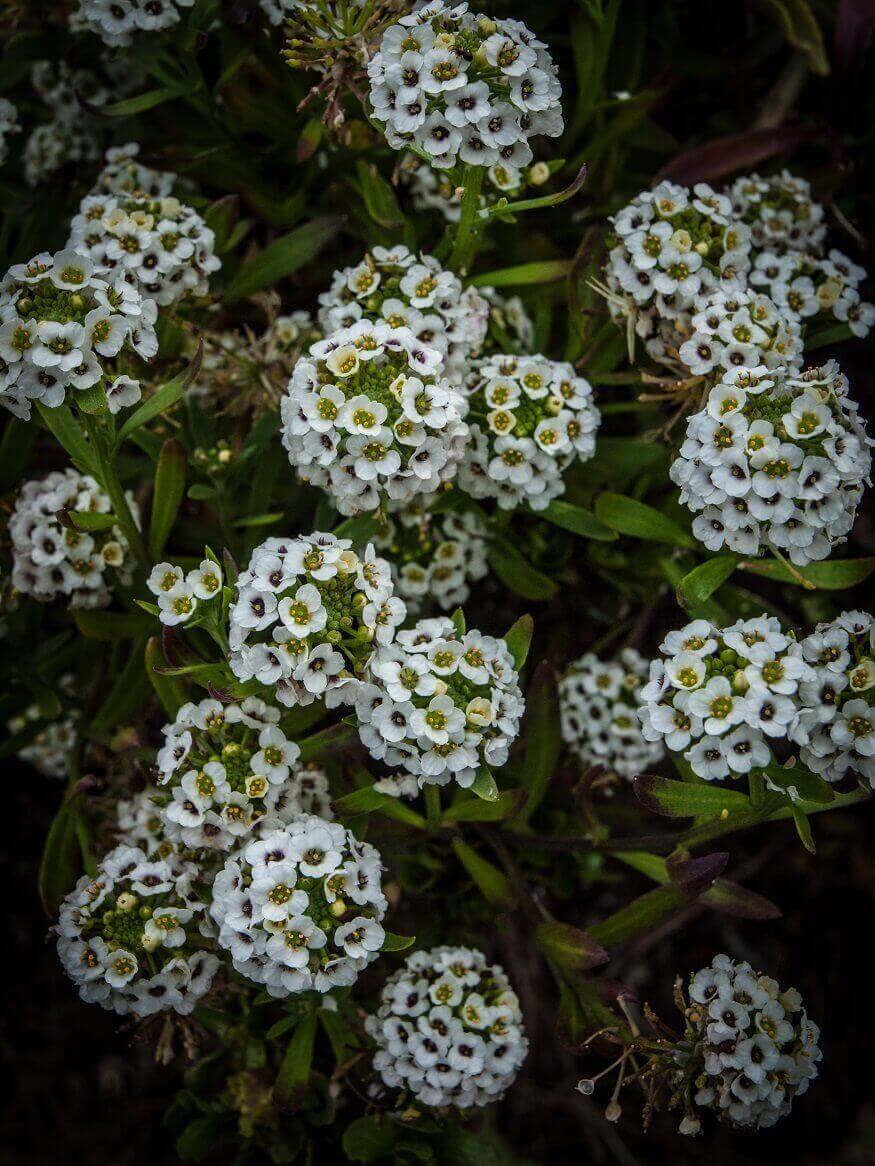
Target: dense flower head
<point>308,615</point>
<point>598,703</point>
<point>159,245</point>
<point>530,419</point>
<point>511,328</point>
<point>749,1048</point>
<point>722,696</point>
<point>116,21</point>
<point>780,212</point>
<point>9,125</point>
<point>370,417</point>
<point>140,823</point>
<point>775,463</point>
<point>805,286</point>
<point>461,87</point>
<point>50,560</point>
<point>180,594</point>
<point>732,330</point>
<point>397,287</point>
<point>440,703</point>
<point>126,935</point>
<point>50,750</point>
<point>124,175</point>
<point>300,908</point>
<point>61,325</point>
<point>449,1030</point>
<point>434,556</point>
<point>836,726</point>
<point>228,768</point>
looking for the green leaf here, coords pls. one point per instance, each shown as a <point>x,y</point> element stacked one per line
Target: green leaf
<point>724,895</point>
<point>518,639</point>
<point>361,801</point>
<point>328,740</point>
<point>170,692</point>
<point>638,917</point>
<point>800,27</point>
<point>111,625</point>
<point>282,257</point>
<point>543,737</point>
<point>546,200</point>
<point>506,805</point>
<point>127,695</point>
<point>139,104</point>
<point>93,400</point>
<point>63,427</point>
<point>547,271</point>
<point>700,584</point>
<point>220,217</point>
<point>810,787</point>
<point>294,1074</point>
<point>369,1139</point>
<point>569,947</point>
<point>458,618</point>
<point>167,496</point>
<point>518,574</point>
<point>484,785</point>
<point>394,942</point>
<point>379,197</point>
<point>629,516</point>
<point>201,1139</point>
<point>492,883</point>
<point>163,399</point>
<point>803,828</point>
<point>681,799</point>
<point>830,575</point>
<point>61,862</point>
<point>88,520</point>
<point>359,530</point>
<point>578,520</point>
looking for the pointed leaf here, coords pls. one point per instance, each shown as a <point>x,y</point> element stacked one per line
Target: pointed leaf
<point>681,799</point>
<point>634,518</point>
<point>164,399</point>
<point>484,785</point>
<point>700,584</point>
<point>167,496</point>
<point>578,520</point>
<point>397,942</point>
<point>518,574</point>
<point>695,875</point>
<point>507,805</point>
<point>573,949</point>
<point>491,882</point>
<point>294,1075</point>
<point>518,639</point>
<point>282,257</point>
<point>543,737</point>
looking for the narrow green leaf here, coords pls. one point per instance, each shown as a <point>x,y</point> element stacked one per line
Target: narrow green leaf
<point>294,1075</point>
<point>572,949</point>
<point>328,740</point>
<point>61,862</point>
<point>639,916</point>
<point>699,585</point>
<point>810,787</point>
<point>88,520</point>
<point>163,399</point>
<point>634,518</point>
<point>724,895</point>
<point>126,696</point>
<point>506,805</point>
<point>519,639</point>
<point>578,520</point>
<point>282,257</point>
<point>167,496</point>
<point>379,197</point>
<point>491,882</point>
<point>62,425</point>
<point>518,574</point>
<point>680,799</point>
<point>800,27</point>
<point>803,828</point>
<point>139,104</point>
<point>830,575</point>
<point>543,737</point>
<point>170,692</point>
<point>361,801</point>
<point>547,271</point>
<point>484,785</point>
<point>111,625</point>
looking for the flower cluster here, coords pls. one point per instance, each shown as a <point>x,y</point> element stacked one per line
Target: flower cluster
<point>49,751</point>
<point>180,593</point>
<point>780,212</point>
<point>511,328</point>
<point>530,418</point>
<point>123,176</point>
<point>749,1047</point>
<point>775,462</point>
<point>125,936</point>
<point>449,1030</point>
<point>432,190</point>
<point>60,325</point>
<point>9,125</point>
<point>836,726</point>
<point>804,286</point>
<point>116,21</point>
<point>598,703</point>
<point>732,330</point>
<point>300,908</point>
<point>434,556</point>
<point>161,246</point>
<point>719,696</point>
<point>370,417</point>
<point>140,823</point>
<point>70,133</point>
<point>461,87</point>
<point>49,559</point>
<point>308,614</point>
<point>228,768</point>
<point>440,703</point>
<point>407,291</point>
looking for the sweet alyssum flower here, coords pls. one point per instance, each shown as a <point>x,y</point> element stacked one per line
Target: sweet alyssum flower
<point>370,417</point>
<point>432,189</point>
<point>180,594</point>
<point>49,751</point>
<point>434,557</point>
<point>397,287</point>
<point>223,769</point>
<point>9,125</point>
<point>738,330</point>
<point>300,909</point>
<point>836,724</point>
<point>449,1030</point>
<point>61,325</point>
<point>117,21</point>
<point>50,560</point>
<point>598,703</point>
<point>721,696</point>
<point>308,615</point>
<point>439,703</point>
<point>459,87</point>
<point>749,1049</point>
<point>140,823</point>
<point>780,212</point>
<point>775,462</point>
<point>511,328</point>
<point>530,418</point>
<point>125,935</point>
<point>159,245</point>
<point>124,175</point>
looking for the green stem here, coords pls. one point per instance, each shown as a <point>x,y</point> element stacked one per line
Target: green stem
<point>433,805</point>
<point>468,231</point>
<point>111,483</point>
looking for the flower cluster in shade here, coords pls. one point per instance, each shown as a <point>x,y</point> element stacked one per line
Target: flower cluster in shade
<point>124,175</point>
<point>308,615</point>
<point>458,87</point>
<point>62,325</point>
<point>435,557</point>
<point>723,696</point>
<point>160,246</point>
<point>225,769</point>
<point>749,1048</point>
<point>530,418</point>
<point>117,22</point>
<point>439,703</point>
<point>128,936</point>
<point>836,726</point>
<point>449,1030</point>
<point>598,705</point>
<point>50,750</point>
<point>371,418</point>
<point>50,560</point>
<point>397,287</point>
<point>9,125</point>
<point>300,908</point>
<point>775,463</point>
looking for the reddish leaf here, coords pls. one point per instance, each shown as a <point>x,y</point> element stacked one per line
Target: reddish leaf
<point>734,153</point>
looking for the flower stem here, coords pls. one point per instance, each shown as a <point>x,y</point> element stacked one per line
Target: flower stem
<point>432,804</point>
<point>468,232</point>
<point>111,483</point>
